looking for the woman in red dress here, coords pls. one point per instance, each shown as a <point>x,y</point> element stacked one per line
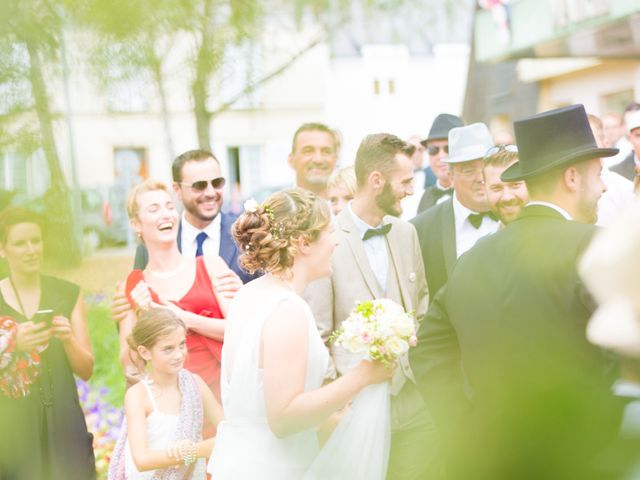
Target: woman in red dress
<point>183,285</point>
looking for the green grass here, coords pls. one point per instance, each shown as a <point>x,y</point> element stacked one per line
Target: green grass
<point>107,371</point>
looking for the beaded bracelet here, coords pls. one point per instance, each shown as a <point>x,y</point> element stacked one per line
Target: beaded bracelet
<point>188,453</point>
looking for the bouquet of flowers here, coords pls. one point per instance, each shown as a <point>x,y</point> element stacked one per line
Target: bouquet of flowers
<point>380,329</point>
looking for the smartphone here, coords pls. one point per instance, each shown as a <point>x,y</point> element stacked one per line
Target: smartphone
<point>43,316</point>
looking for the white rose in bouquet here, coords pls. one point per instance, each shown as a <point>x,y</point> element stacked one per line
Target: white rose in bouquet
<point>380,328</point>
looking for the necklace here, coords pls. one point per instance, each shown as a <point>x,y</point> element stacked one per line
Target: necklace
<point>286,283</point>
<point>22,311</point>
<point>168,274</point>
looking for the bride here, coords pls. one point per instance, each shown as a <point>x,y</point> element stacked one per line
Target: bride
<point>274,360</point>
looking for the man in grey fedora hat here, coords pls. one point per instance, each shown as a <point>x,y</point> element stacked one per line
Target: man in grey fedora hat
<point>437,146</point>
<point>502,359</point>
<point>452,227</point>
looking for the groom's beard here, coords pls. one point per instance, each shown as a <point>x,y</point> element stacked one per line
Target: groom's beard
<point>388,202</point>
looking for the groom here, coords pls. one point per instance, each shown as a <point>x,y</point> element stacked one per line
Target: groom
<point>378,256</point>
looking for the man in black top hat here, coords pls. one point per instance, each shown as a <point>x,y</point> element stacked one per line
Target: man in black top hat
<point>437,146</point>
<point>516,390</point>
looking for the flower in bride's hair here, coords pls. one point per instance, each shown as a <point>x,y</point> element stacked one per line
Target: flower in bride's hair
<point>269,211</point>
<point>251,206</point>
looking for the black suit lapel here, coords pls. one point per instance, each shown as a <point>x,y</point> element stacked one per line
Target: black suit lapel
<point>448,233</point>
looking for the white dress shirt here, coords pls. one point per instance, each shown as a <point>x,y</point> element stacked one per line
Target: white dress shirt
<point>466,234</point>
<point>618,197</point>
<point>375,248</point>
<point>211,245</point>
<point>553,206</point>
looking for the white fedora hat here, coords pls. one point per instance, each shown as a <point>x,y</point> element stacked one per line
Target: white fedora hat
<point>468,143</point>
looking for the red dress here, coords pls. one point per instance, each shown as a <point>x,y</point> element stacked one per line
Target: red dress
<point>204,353</point>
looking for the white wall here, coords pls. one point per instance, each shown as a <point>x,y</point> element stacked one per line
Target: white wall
<point>424,87</point>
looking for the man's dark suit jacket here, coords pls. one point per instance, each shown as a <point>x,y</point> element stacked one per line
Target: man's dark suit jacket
<point>428,199</point>
<point>228,249</point>
<point>437,234</point>
<point>532,399</point>
<point>626,168</point>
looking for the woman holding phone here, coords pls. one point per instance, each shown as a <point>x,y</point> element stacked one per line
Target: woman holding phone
<point>43,343</point>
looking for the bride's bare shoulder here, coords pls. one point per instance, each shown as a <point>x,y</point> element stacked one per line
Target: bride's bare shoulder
<point>288,316</point>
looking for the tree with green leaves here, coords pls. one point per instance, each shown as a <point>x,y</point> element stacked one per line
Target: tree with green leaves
<point>30,41</point>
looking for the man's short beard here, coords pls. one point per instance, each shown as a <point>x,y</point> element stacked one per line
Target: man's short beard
<point>193,210</point>
<point>386,201</point>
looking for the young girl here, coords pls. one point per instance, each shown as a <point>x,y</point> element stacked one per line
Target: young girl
<point>341,188</point>
<point>162,433</point>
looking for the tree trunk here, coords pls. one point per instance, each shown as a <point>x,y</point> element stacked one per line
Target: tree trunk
<point>61,242</point>
<point>156,67</point>
<point>200,87</point>
<point>203,119</point>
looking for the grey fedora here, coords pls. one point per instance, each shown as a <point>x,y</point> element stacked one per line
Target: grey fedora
<point>468,143</point>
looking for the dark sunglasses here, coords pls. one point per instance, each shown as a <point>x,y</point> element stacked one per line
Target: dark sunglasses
<point>434,149</point>
<point>501,148</point>
<point>201,185</point>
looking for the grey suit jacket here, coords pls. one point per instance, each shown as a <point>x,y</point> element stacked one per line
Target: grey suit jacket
<point>353,280</point>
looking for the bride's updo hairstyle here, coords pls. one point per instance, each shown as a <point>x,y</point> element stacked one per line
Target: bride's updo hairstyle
<point>267,234</point>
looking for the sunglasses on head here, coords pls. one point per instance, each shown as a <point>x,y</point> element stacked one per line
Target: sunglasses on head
<point>201,185</point>
<point>434,149</point>
<point>501,148</point>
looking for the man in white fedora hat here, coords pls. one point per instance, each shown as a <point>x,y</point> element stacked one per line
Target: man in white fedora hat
<point>450,228</point>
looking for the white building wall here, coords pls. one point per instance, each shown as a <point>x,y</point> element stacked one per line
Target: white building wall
<point>423,87</point>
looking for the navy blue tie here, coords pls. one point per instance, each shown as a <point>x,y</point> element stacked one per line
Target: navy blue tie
<point>202,236</point>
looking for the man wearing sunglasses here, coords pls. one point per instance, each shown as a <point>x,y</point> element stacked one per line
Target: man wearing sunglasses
<point>452,227</point>
<point>198,184</point>
<point>204,229</point>
<point>506,199</point>
<point>437,146</point>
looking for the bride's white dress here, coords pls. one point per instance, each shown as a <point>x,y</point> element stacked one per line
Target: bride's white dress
<point>246,448</point>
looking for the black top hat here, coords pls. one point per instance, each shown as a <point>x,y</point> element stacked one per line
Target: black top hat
<point>553,139</point>
<point>441,126</point>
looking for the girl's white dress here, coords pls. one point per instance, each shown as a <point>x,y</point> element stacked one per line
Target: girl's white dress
<point>161,430</point>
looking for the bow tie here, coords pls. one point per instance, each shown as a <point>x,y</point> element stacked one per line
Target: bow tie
<point>475,219</point>
<point>372,232</point>
<point>438,193</point>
